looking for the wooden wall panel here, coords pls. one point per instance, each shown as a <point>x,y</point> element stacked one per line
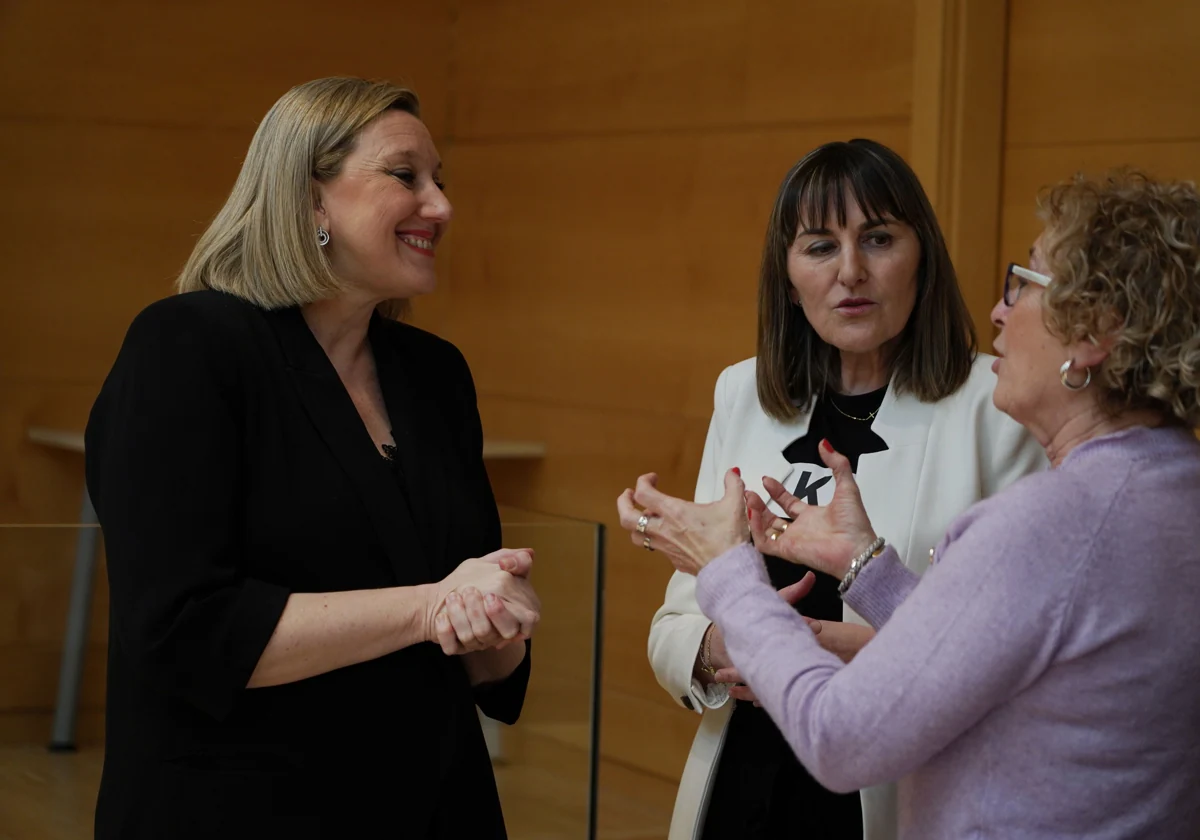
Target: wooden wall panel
<point>101,219</point>
<point>1102,71</point>
<point>208,64</point>
<point>528,68</point>
<point>958,134</point>
<point>617,271</point>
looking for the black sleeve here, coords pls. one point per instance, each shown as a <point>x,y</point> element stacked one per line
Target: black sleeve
<point>164,469</point>
<point>500,701</point>
<point>503,701</point>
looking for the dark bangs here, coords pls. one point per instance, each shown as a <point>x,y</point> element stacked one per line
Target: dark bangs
<point>831,177</point>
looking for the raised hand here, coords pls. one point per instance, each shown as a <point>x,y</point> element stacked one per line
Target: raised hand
<point>824,538</point>
<point>689,534</point>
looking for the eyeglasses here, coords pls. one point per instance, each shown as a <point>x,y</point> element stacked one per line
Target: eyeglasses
<point>1015,279</point>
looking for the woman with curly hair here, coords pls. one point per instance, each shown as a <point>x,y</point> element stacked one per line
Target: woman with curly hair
<point>1042,679</point>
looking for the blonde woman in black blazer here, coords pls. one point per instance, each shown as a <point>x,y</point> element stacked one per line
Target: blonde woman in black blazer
<point>308,593</point>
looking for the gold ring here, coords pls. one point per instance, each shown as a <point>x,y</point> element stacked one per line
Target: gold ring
<point>784,527</point>
<point>643,521</point>
<point>774,536</point>
<point>646,544</point>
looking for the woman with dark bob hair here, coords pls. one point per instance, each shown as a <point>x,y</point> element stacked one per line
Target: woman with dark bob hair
<point>864,340</point>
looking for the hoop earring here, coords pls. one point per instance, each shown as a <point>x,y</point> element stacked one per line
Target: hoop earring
<point>1066,368</point>
<point>322,237</point>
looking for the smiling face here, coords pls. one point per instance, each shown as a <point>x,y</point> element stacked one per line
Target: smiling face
<point>857,281</point>
<point>385,210</point>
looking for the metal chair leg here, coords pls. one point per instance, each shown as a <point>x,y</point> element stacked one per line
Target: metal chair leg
<point>70,673</point>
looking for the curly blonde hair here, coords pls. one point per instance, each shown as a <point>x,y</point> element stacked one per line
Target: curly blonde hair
<point>1124,251</point>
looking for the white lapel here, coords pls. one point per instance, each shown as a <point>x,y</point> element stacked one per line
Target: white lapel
<point>888,480</point>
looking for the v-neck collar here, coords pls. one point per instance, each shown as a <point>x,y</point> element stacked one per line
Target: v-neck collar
<point>410,525</point>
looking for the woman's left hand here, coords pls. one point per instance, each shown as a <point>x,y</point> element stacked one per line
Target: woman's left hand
<point>691,535</point>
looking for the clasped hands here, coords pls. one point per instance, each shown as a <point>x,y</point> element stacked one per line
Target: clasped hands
<point>486,603</point>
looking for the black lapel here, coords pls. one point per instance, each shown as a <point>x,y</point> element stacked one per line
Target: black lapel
<point>331,410</point>
<point>420,429</point>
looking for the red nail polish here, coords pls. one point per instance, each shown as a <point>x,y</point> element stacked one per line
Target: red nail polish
<point>749,513</point>
<point>826,445</point>
<point>737,471</point>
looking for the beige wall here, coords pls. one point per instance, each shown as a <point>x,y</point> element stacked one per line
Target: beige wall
<point>612,167</point>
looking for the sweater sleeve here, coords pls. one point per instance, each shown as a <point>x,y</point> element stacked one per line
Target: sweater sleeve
<point>882,586</point>
<point>947,655</point>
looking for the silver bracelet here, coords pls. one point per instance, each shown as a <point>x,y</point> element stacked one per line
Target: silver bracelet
<point>856,565</point>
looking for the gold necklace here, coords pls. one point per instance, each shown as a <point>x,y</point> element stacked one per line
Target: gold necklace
<point>866,419</point>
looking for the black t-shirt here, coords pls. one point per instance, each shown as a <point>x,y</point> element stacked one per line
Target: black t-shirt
<point>761,790</point>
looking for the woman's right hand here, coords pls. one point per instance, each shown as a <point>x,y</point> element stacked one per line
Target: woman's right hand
<point>486,602</point>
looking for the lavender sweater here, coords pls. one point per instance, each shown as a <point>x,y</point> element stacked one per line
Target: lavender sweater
<point>1042,681</point>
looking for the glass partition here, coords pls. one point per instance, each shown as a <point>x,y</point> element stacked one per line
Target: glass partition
<point>55,617</point>
<point>53,614</point>
<point>546,764</point>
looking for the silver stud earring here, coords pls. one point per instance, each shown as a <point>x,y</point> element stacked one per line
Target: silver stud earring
<point>322,237</point>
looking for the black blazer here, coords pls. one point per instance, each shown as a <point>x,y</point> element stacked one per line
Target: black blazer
<point>230,468</point>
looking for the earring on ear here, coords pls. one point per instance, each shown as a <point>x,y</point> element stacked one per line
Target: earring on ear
<point>1066,368</point>
<point>322,237</point>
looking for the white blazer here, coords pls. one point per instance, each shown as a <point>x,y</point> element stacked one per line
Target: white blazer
<point>941,458</point>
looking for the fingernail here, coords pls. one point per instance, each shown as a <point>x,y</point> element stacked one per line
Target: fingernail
<point>492,599</point>
<point>749,513</point>
<point>737,471</point>
<point>826,445</point>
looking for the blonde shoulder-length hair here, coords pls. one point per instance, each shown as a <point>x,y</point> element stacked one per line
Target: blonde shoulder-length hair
<point>262,245</point>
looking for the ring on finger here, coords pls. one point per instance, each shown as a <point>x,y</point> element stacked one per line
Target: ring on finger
<point>643,521</point>
<point>646,544</point>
